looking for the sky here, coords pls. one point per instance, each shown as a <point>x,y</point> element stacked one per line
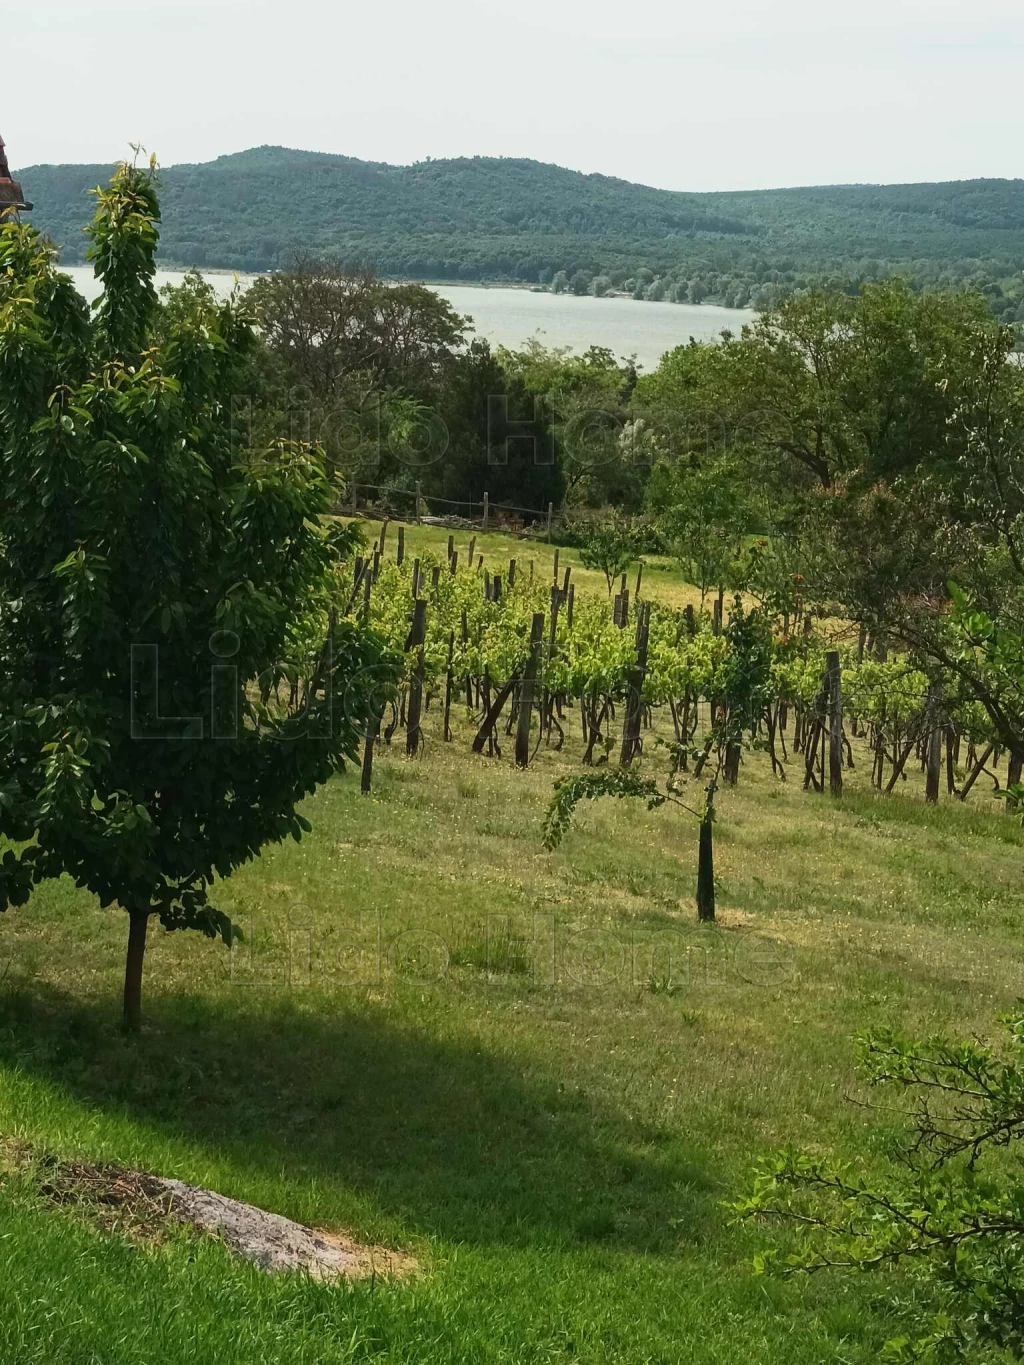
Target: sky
<point>734,94</point>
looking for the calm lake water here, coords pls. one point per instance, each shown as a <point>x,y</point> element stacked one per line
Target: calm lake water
<point>508,317</point>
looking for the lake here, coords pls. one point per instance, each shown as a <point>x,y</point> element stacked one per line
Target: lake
<point>508,317</point>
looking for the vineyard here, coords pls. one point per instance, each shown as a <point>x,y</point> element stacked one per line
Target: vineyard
<point>532,662</point>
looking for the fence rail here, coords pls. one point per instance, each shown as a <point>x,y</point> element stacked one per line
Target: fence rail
<point>418,506</point>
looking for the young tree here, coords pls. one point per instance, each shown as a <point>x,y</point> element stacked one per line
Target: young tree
<point>704,513</point>
<point>610,545</point>
<point>622,783</point>
<point>173,675</point>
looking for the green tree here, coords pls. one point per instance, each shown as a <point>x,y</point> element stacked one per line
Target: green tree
<point>173,675</point>
<point>835,387</point>
<point>498,437</point>
<point>588,397</point>
<point>331,324</point>
<point>704,514</point>
<point>948,1209</point>
<point>609,545</point>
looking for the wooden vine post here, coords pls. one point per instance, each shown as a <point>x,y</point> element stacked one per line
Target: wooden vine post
<point>635,697</point>
<point>372,736</point>
<point>834,678</point>
<point>527,692</point>
<point>449,687</point>
<point>414,645</point>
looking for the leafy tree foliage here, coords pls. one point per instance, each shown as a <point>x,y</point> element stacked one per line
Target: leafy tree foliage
<point>499,438</point>
<point>173,679</point>
<point>830,386</point>
<point>587,396</point>
<point>332,326</point>
<point>704,514</point>
<point>948,1210</point>
<point>510,219</point>
<point>609,545</point>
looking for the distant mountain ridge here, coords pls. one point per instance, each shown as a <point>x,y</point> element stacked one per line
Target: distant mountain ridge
<point>516,220</point>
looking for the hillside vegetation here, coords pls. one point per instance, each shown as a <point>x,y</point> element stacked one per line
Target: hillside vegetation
<point>485,218</point>
<point>460,1008</point>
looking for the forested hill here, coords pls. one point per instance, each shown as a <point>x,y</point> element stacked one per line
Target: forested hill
<point>483,218</point>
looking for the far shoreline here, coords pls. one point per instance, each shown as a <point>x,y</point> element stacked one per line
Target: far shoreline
<point>519,285</point>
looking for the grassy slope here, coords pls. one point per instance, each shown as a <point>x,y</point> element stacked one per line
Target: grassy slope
<point>555,1151</point>
<point>661,578</point>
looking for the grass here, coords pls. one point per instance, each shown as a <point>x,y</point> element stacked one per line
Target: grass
<point>661,576</point>
<point>533,1071</point>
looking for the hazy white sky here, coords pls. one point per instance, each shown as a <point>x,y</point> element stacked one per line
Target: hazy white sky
<point>730,94</point>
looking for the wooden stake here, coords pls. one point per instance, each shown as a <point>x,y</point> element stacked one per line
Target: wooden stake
<point>417,637</point>
<point>527,691</point>
<point>834,677</point>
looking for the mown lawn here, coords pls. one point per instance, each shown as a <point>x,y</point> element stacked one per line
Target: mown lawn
<point>661,575</point>
<point>531,1070</point>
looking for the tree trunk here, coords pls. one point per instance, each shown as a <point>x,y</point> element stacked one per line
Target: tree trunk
<point>372,736</point>
<point>138,923</point>
<point>933,750</point>
<point>706,872</point>
<point>933,765</point>
<point>731,766</point>
<point>1014,767</point>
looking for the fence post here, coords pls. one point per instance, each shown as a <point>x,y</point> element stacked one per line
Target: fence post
<point>487,508</point>
<point>449,687</point>
<point>401,545</point>
<point>527,691</point>
<point>419,493</point>
<point>551,509</point>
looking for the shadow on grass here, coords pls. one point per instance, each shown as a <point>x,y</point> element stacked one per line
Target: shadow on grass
<point>437,1133</point>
